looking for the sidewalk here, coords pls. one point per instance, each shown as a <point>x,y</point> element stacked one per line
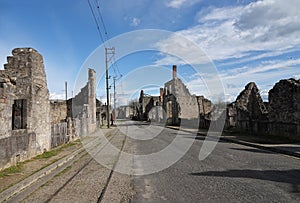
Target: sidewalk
<point>15,174</point>
<point>278,145</point>
<point>16,178</point>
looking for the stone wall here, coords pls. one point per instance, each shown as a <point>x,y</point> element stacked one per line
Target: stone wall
<point>58,111</point>
<point>83,105</point>
<point>149,107</point>
<point>187,103</point>
<point>250,108</point>
<point>180,104</point>
<point>284,108</point>
<point>280,116</point>
<point>25,107</point>
<point>123,112</point>
<point>29,123</point>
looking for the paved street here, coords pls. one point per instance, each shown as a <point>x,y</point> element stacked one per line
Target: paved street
<point>232,173</point>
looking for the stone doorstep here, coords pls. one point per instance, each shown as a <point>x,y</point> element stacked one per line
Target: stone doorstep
<point>18,187</point>
<point>278,148</point>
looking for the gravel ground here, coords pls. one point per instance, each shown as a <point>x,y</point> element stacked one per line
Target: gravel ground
<point>33,165</point>
<point>85,179</point>
<point>120,188</point>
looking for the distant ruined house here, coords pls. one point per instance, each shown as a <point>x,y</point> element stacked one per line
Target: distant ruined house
<point>175,105</point>
<point>124,112</point>
<point>149,107</point>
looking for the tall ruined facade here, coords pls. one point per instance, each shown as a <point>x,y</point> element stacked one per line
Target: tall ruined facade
<point>250,109</point>
<point>180,105</point>
<point>83,106</point>
<point>24,108</point>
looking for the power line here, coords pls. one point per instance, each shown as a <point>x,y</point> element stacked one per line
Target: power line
<point>98,28</point>
<point>114,64</point>
<point>98,15</point>
<point>101,18</point>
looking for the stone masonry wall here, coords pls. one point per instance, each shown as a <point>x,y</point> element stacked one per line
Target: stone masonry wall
<point>25,107</point>
<point>284,108</point>
<point>250,108</point>
<point>280,116</point>
<point>83,105</point>
<point>58,111</point>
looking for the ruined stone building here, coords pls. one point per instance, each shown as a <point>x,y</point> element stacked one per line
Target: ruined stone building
<point>29,122</point>
<point>284,108</point>
<point>75,117</point>
<point>175,105</point>
<point>150,107</point>
<point>279,116</point>
<point>248,109</point>
<point>179,104</point>
<point>124,112</point>
<point>83,105</point>
<point>24,108</point>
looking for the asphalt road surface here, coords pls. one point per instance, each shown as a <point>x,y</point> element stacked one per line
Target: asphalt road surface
<point>167,169</point>
<point>231,173</point>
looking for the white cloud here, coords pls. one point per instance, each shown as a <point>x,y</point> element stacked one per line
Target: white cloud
<point>297,76</point>
<point>180,3</point>
<point>235,32</point>
<point>255,32</point>
<point>135,22</point>
<point>264,68</point>
<point>184,51</point>
<point>56,96</point>
<point>234,80</point>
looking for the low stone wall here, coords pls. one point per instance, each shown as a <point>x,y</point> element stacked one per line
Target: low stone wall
<point>18,147</point>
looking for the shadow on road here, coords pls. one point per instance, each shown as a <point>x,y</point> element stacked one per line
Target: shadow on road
<point>289,176</point>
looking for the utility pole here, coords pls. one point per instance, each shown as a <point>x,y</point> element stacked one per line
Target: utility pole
<point>108,51</point>
<point>66,89</point>
<point>114,97</point>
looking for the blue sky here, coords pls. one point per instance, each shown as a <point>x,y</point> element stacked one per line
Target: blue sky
<point>246,40</point>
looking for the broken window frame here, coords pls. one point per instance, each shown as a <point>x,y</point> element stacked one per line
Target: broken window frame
<point>19,114</point>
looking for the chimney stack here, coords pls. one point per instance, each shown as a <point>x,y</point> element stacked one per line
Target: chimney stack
<point>161,94</point>
<point>174,71</point>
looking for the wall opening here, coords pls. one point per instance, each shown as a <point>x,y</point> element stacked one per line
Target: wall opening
<point>19,117</point>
